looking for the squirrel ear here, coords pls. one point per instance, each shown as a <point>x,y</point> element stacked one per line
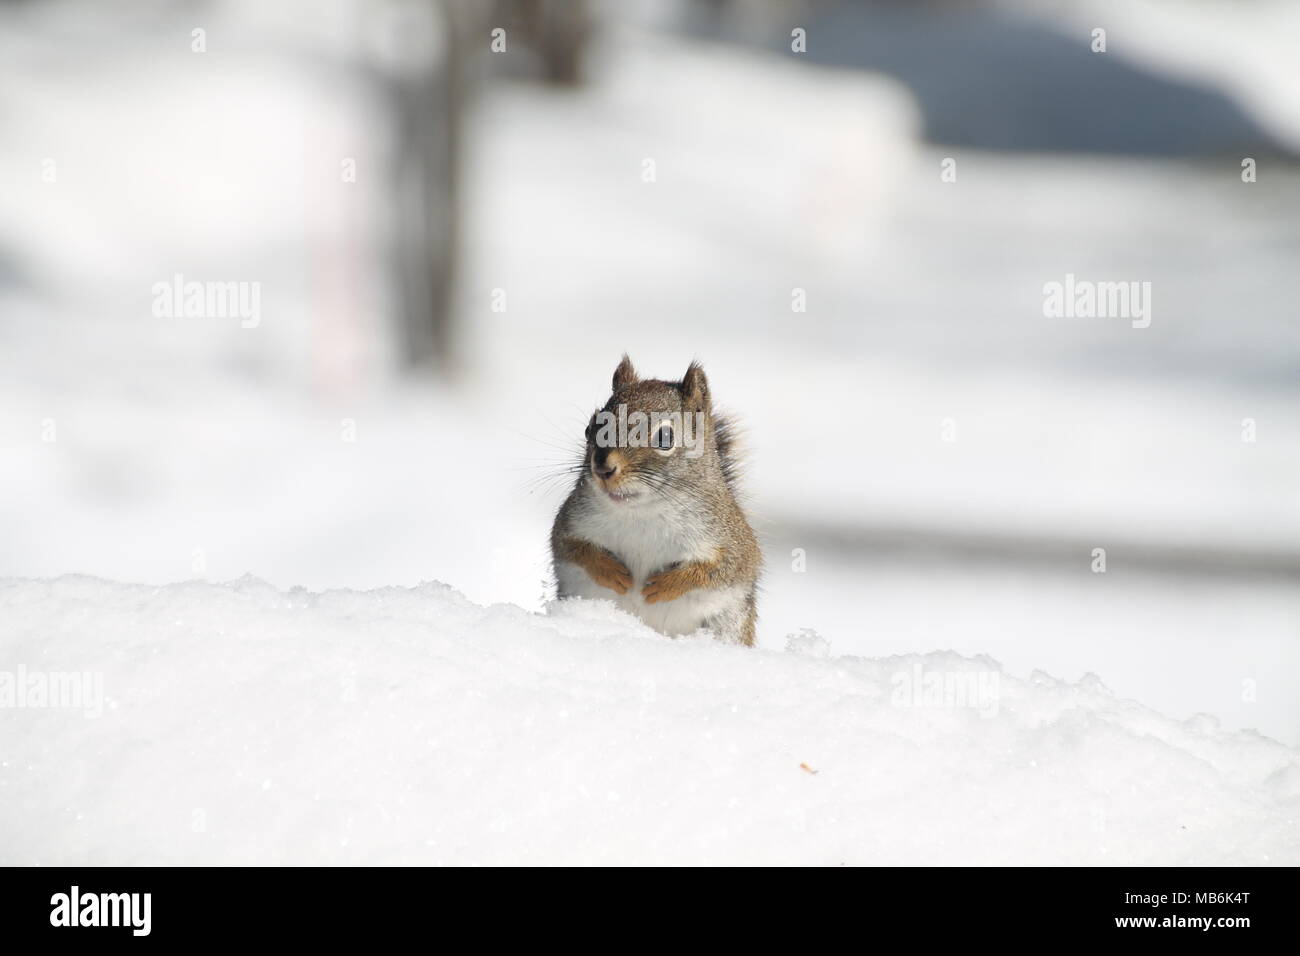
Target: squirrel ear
<point>695,386</point>
<point>625,374</point>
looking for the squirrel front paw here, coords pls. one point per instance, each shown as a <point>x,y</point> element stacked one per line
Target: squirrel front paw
<point>609,572</point>
<point>672,583</point>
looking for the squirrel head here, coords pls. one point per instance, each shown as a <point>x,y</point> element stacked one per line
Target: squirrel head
<point>653,438</point>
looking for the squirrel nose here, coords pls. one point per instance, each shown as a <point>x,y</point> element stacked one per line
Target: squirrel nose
<point>606,463</point>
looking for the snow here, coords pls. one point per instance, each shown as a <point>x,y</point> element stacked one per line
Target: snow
<point>243,724</point>
<point>1247,49</point>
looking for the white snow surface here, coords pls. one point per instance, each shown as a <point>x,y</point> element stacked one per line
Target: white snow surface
<point>243,724</point>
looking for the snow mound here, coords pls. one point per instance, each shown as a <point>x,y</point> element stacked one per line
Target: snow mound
<point>243,724</point>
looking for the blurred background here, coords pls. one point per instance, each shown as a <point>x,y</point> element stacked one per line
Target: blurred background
<point>457,215</point>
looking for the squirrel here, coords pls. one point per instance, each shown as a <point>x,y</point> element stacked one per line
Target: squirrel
<point>653,523</point>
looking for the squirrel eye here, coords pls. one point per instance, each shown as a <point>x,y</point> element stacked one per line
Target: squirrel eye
<point>663,438</point>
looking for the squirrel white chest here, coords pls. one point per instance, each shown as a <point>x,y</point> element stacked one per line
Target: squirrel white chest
<point>647,539</point>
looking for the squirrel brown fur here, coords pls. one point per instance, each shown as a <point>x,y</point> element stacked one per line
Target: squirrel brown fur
<point>653,522</point>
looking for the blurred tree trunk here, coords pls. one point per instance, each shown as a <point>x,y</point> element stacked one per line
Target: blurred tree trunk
<point>430,95</point>
<point>429,107</point>
<point>559,31</point>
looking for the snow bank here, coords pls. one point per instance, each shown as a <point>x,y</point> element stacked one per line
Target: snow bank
<point>243,724</point>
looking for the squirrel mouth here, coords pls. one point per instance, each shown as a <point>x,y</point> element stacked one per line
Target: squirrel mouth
<point>621,497</point>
